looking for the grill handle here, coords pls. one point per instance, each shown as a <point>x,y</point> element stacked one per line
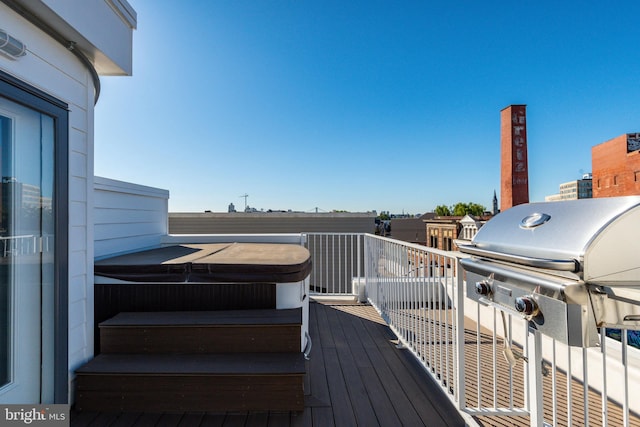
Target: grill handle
<point>550,264</point>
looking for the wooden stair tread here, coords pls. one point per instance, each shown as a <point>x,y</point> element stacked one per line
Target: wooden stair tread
<point>205,318</point>
<point>196,364</point>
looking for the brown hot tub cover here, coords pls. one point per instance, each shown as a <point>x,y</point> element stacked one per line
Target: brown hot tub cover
<point>207,263</point>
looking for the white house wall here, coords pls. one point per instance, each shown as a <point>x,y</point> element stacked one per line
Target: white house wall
<point>128,217</point>
<point>42,67</point>
<point>52,68</point>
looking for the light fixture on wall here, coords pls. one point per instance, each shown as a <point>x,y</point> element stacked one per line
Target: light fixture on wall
<point>10,46</point>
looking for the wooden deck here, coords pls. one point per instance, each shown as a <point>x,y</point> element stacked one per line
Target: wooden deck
<point>356,376</point>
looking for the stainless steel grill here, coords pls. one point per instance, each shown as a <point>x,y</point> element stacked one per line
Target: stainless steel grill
<point>567,267</point>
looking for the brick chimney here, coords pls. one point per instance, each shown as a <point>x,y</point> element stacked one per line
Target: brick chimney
<point>514,187</point>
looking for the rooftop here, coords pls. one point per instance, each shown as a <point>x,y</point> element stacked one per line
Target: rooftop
<point>356,375</point>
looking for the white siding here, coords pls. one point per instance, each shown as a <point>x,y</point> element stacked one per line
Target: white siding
<point>53,69</point>
<point>128,217</point>
<point>42,67</point>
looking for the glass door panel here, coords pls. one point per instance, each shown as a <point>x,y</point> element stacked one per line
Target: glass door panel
<point>26,257</point>
<point>5,274</point>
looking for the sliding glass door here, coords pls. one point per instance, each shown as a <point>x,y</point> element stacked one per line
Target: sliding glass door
<point>34,199</point>
<point>26,247</point>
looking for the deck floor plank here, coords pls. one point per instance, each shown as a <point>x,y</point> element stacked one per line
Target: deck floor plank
<point>257,419</point>
<point>382,405</point>
<point>83,418</point>
<point>395,391</point>
<point>105,419</point>
<point>341,405</point>
<point>212,420</point>
<point>362,408</point>
<point>169,420</point>
<point>191,419</point>
<point>302,419</point>
<point>362,345</point>
<point>277,419</point>
<point>147,419</point>
<point>235,420</point>
<point>398,397</point>
<point>319,388</point>
<point>407,370</point>
<point>125,419</point>
<point>323,417</point>
<point>355,377</point>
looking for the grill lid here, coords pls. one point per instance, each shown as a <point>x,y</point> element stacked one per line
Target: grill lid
<point>597,238</point>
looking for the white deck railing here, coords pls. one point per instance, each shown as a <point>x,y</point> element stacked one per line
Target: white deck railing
<point>25,245</point>
<point>420,293</point>
<point>337,259</point>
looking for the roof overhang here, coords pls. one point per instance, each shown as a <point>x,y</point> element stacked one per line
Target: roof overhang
<point>101,29</point>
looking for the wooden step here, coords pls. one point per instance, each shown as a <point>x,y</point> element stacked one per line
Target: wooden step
<point>191,382</point>
<point>113,298</point>
<point>237,331</point>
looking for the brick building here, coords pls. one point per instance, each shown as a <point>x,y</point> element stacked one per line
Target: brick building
<point>616,166</point>
<point>442,231</point>
<point>445,232</point>
<point>514,172</point>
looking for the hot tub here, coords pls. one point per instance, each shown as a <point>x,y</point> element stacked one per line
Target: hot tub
<point>263,265</point>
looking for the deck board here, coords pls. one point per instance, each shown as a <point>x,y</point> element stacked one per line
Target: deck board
<point>212,420</point>
<point>362,407</point>
<point>291,316</point>
<point>124,419</point>
<point>192,419</point>
<point>355,376</point>
<point>318,386</point>
<point>191,364</point>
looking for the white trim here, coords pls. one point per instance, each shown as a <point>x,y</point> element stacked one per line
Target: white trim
<point>107,184</point>
<point>125,12</point>
<point>177,239</point>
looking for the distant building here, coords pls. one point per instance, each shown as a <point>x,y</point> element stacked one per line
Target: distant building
<point>514,170</point>
<point>448,232</point>
<point>616,166</point>
<point>270,222</point>
<point>24,207</point>
<point>232,208</point>
<point>552,198</point>
<point>410,229</point>
<point>442,231</point>
<point>573,190</point>
<point>470,226</point>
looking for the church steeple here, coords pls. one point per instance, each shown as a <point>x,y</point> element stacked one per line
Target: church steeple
<point>495,203</point>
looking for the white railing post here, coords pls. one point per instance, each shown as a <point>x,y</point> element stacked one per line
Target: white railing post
<point>534,377</point>
<point>459,330</point>
<point>625,363</point>
<point>367,268</point>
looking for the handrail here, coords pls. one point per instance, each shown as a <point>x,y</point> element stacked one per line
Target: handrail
<point>420,293</point>
<point>550,264</point>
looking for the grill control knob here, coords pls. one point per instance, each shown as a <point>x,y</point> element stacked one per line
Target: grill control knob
<point>526,305</point>
<point>483,288</point>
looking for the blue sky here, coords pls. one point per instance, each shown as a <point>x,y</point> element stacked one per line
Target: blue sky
<point>363,105</point>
